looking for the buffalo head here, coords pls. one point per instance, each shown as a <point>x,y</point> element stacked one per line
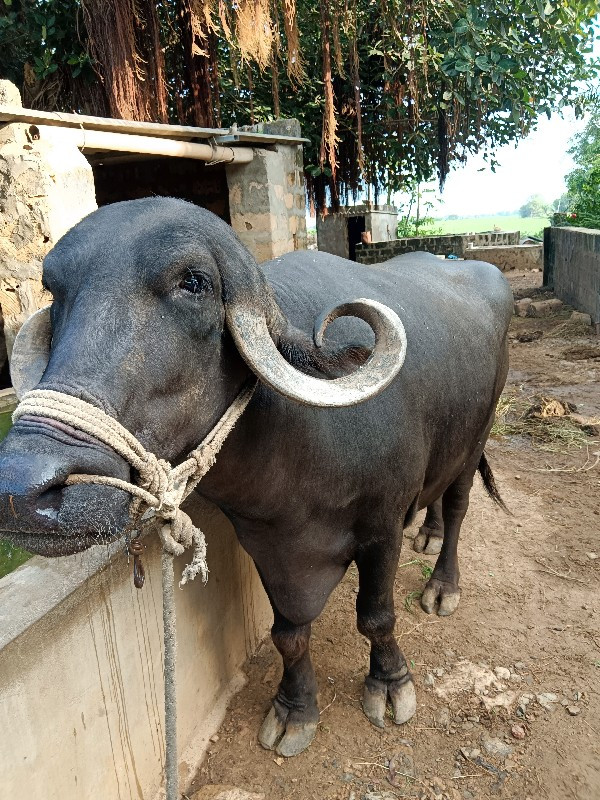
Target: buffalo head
<point>159,316</point>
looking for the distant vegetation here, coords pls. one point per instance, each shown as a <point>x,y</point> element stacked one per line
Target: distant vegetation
<point>529,226</point>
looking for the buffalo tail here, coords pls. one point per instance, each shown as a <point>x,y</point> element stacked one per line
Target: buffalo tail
<point>490,484</point>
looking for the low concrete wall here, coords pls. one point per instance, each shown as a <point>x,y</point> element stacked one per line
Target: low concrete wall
<point>572,268</point>
<point>81,688</point>
<point>440,245</point>
<point>509,257</point>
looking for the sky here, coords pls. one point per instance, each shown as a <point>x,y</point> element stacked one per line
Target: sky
<point>536,165</point>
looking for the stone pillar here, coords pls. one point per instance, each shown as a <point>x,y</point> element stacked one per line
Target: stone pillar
<point>46,186</point>
<point>267,201</point>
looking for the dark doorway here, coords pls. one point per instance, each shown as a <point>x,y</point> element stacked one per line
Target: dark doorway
<point>356,226</point>
<point>189,179</point>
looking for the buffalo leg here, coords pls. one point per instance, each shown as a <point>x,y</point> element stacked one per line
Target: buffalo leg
<point>430,535</point>
<point>292,721</point>
<point>389,676</point>
<point>442,592</point>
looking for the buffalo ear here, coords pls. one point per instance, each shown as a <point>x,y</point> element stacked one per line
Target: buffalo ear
<point>31,352</point>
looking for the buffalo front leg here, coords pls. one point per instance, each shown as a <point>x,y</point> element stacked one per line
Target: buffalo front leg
<point>430,535</point>
<point>292,721</point>
<point>389,677</point>
<point>442,593</point>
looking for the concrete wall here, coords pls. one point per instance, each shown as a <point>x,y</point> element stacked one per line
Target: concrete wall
<point>81,706</point>
<point>267,200</point>
<point>572,268</point>
<point>332,234</point>
<point>440,245</point>
<point>382,223</point>
<point>509,257</point>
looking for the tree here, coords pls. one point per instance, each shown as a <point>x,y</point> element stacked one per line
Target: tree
<point>388,92</point>
<point>536,206</point>
<point>562,204</point>
<point>583,183</point>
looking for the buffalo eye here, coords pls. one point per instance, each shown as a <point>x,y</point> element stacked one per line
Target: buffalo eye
<point>195,283</point>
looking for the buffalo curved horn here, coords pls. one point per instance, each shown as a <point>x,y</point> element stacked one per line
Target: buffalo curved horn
<point>250,332</point>
<point>31,352</point>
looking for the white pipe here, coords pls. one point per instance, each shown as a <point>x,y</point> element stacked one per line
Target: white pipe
<point>104,141</point>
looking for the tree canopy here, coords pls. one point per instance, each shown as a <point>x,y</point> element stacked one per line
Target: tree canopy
<point>535,206</point>
<point>389,92</point>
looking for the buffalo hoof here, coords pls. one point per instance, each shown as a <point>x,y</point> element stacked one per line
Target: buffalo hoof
<point>428,541</point>
<point>440,596</point>
<point>401,694</point>
<point>286,732</point>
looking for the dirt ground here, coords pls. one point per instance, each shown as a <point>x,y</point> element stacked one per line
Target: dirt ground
<point>530,604</point>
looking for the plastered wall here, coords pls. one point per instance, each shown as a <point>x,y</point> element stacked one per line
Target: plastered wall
<point>81,705</point>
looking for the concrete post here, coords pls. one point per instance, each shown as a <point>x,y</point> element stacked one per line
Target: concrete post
<point>46,186</point>
<point>267,203</point>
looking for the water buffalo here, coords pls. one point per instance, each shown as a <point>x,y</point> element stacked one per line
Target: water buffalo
<point>141,326</point>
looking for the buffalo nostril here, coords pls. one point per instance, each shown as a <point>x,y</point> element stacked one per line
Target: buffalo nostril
<point>48,503</point>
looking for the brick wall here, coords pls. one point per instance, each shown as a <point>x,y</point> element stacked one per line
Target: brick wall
<point>572,267</point>
<point>440,245</point>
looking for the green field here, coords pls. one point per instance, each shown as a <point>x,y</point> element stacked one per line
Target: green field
<point>529,226</point>
<point>10,557</point>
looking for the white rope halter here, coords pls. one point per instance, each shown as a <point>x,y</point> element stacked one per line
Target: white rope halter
<point>160,488</point>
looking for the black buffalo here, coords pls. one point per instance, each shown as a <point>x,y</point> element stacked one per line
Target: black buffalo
<point>142,327</point>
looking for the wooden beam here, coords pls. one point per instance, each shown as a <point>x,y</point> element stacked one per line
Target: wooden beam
<point>56,118</point>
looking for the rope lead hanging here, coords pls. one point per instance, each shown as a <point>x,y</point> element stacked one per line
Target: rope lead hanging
<point>159,493</point>
<point>170,641</point>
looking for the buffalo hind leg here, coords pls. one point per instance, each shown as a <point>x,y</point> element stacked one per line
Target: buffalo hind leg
<point>291,724</point>
<point>430,535</point>
<point>389,676</point>
<point>442,593</point>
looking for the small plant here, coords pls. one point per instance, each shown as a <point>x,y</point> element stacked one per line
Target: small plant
<point>426,570</point>
<point>410,598</point>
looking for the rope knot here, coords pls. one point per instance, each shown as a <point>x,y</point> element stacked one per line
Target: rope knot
<point>155,476</point>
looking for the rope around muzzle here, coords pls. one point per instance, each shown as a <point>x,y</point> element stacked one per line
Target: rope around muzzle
<point>160,488</point>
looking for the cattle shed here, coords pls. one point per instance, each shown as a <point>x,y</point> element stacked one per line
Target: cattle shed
<point>340,232</point>
<point>56,168</point>
<point>81,677</point>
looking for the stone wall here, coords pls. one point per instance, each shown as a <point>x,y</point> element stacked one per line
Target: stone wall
<point>440,245</point>
<point>509,257</point>
<point>46,187</point>
<point>267,200</point>
<point>572,268</point>
<point>81,683</point>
